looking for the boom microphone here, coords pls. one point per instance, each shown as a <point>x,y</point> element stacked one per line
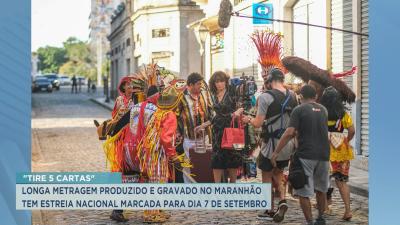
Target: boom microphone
<point>224,14</point>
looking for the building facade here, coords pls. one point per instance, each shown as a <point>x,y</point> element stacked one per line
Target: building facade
<point>121,45</point>
<point>332,50</point>
<point>100,27</point>
<point>161,35</point>
<point>34,64</point>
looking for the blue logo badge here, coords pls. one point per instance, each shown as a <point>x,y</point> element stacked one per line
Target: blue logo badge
<point>262,11</point>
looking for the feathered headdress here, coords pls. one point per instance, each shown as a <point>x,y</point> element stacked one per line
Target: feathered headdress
<point>144,78</point>
<point>269,47</point>
<point>307,71</point>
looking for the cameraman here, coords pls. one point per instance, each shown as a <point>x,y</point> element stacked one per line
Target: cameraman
<point>273,114</point>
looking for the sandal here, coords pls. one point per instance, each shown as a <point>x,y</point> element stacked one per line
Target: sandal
<point>347,218</point>
<point>156,218</point>
<point>164,214</point>
<point>280,214</point>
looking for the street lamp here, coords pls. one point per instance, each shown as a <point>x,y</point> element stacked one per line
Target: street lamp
<point>201,35</point>
<point>108,55</point>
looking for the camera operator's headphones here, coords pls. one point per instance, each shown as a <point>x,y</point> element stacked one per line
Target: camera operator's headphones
<point>274,74</point>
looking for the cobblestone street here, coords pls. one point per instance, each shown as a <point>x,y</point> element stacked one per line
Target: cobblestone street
<point>64,139</point>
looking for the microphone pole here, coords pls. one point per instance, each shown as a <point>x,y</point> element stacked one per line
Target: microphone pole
<point>299,23</point>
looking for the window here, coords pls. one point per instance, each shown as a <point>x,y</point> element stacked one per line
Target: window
<point>116,68</point>
<point>136,62</point>
<point>156,33</point>
<point>138,40</point>
<point>128,66</point>
<point>128,42</point>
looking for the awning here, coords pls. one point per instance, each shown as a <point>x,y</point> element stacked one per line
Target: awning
<point>211,23</point>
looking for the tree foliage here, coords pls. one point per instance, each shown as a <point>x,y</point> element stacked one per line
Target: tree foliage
<point>74,58</point>
<point>51,58</point>
<point>80,59</point>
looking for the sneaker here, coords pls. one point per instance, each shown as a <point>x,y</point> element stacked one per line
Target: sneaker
<point>266,215</point>
<point>320,221</point>
<point>119,217</point>
<point>280,214</point>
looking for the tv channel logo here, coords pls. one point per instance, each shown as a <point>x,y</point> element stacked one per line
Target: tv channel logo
<point>262,12</point>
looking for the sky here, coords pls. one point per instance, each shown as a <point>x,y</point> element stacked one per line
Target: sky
<point>53,21</point>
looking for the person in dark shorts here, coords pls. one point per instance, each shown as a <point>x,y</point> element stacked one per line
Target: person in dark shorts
<point>74,85</point>
<point>310,121</point>
<point>224,106</point>
<point>274,107</point>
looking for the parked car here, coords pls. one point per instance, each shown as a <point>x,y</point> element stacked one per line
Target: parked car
<point>65,80</point>
<point>81,79</point>
<point>54,79</point>
<point>41,83</point>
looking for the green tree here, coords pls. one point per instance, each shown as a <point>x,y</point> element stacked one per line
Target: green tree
<point>77,50</point>
<point>77,68</point>
<point>51,58</point>
<point>80,59</point>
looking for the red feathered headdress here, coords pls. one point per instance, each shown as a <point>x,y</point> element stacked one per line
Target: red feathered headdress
<point>269,47</point>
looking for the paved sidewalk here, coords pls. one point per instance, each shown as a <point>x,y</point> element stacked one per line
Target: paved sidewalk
<point>358,182</point>
<point>102,102</point>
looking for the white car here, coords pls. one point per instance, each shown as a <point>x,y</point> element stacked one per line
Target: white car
<point>65,80</point>
<point>81,79</point>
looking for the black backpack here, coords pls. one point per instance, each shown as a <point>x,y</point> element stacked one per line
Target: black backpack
<point>277,108</point>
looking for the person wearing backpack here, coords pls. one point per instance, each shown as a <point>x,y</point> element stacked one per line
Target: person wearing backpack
<point>273,113</point>
<point>310,122</point>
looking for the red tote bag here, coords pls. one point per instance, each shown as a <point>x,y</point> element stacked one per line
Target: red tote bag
<point>233,138</point>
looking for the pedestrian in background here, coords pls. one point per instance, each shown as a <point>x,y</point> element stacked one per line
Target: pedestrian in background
<point>93,87</point>
<point>74,85</point>
<point>89,82</point>
<point>79,84</point>
<point>310,121</point>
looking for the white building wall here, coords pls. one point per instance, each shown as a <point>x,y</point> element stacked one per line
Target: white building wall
<point>146,45</point>
<point>189,47</point>
<point>180,45</point>
<point>310,42</point>
<point>241,54</point>
<point>34,65</point>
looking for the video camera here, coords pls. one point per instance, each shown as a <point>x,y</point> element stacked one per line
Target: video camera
<point>244,88</point>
